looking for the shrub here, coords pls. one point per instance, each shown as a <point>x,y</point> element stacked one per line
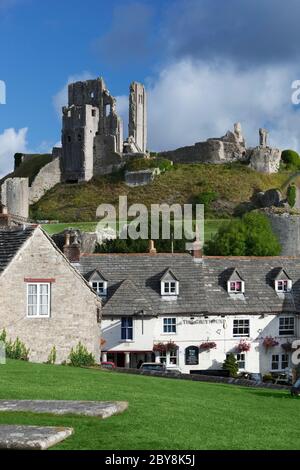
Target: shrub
<point>206,198</point>
<point>291,195</point>
<point>14,350</point>
<point>52,356</point>
<point>80,357</point>
<point>251,235</point>
<point>147,163</point>
<point>291,159</point>
<point>231,365</point>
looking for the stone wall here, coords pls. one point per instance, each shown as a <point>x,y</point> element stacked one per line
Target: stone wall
<point>15,196</point>
<point>287,228</point>
<point>264,159</point>
<point>140,178</point>
<point>73,305</point>
<point>46,179</point>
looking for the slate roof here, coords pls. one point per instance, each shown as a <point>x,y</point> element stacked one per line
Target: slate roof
<point>10,243</point>
<point>203,286</point>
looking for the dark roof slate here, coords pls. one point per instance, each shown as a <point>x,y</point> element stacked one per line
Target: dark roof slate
<point>10,243</point>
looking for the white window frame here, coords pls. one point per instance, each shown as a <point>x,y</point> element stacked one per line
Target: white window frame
<point>281,359</point>
<point>235,290</point>
<point>168,285</point>
<point>283,285</point>
<point>168,323</point>
<point>101,291</point>
<point>38,305</point>
<point>241,335</point>
<point>173,354</point>
<point>286,328</point>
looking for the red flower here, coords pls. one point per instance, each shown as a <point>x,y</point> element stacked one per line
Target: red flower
<point>270,342</point>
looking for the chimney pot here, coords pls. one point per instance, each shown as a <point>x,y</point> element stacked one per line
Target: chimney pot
<point>152,249</point>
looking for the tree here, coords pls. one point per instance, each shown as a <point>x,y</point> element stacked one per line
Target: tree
<point>231,365</point>
<point>291,159</point>
<point>250,236</point>
<point>291,195</point>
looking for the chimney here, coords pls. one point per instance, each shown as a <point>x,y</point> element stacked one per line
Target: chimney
<point>5,220</point>
<point>152,249</point>
<point>71,251</point>
<point>197,252</point>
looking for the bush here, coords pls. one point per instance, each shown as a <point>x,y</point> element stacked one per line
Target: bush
<point>52,356</point>
<point>14,350</point>
<point>251,235</point>
<point>80,357</point>
<point>206,198</point>
<point>291,159</point>
<point>147,163</point>
<point>231,365</point>
<point>291,195</point>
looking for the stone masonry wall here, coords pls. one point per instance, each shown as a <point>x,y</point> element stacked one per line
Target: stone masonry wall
<point>46,179</point>
<point>73,305</point>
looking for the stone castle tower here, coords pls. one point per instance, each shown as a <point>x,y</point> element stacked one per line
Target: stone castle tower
<point>92,132</point>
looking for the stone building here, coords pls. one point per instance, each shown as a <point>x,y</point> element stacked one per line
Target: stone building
<point>137,129</point>
<point>44,300</point>
<point>170,307</point>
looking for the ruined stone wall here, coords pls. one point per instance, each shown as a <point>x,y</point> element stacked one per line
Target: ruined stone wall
<point>73,315</point>
<point>46,179</point>
<point>211,151</point>
<point>287,228</point>
<point>264,159</point>
<point>15,196</point>
<point>137,127</point>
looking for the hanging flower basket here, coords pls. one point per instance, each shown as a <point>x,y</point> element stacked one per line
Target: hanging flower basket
<point>207,345</point>
<point>287,347</point>
<point>159,347</point>
<point>270,342</point>
<point>243,346</point>
<point>170,346</point>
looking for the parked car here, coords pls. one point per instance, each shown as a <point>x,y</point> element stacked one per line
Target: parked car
<point>295,390</point>
<point>108,365</point>
<point>156,366</point>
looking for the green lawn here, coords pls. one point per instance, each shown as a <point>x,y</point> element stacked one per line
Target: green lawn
<point>162,414</point>
<point>211,227</point>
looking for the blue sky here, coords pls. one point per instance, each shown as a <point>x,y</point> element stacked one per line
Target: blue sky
<point>205,63</point>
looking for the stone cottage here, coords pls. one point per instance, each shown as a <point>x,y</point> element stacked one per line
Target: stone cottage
<point>44,300</point>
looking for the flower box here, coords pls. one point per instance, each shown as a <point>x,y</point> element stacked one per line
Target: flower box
<point>243,346</point>
<point>207,345</point>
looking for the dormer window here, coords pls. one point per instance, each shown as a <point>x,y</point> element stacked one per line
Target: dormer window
<point>100,287</point>
<point>283,283</point>
<point>169,288</point>
<point>169,284</point>
<point>98,283</point>
<point>235,284</point>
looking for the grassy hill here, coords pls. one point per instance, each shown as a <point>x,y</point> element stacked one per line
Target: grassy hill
<point>162,413</point>
<point>30,168</point>
<point>234,183</point>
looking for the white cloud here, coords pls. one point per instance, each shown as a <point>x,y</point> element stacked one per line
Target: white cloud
<point>192,101</point>
<point>11,141</point>
<point>61,98</point>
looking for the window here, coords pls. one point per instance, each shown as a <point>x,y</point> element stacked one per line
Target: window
<point>38,300</point>
<point>241,360</point>
<point>241,327</point>
<point>127,329</point>
<point>282,286</point>
<point>69,138</point>
<point>99,287</point>
<point>280,361</point>
<point>169,325</point>
<point>93,112</point>
<point>286,326</point>
<point>173,357</point>
<point>79,138</point>
<point>235,286</point>
<point>163,357</point>
<point>169,288</point>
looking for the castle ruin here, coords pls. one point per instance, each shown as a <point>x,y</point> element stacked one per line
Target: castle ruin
<point>92,131</point>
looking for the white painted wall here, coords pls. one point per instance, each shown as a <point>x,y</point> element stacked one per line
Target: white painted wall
<point>214,328</point>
